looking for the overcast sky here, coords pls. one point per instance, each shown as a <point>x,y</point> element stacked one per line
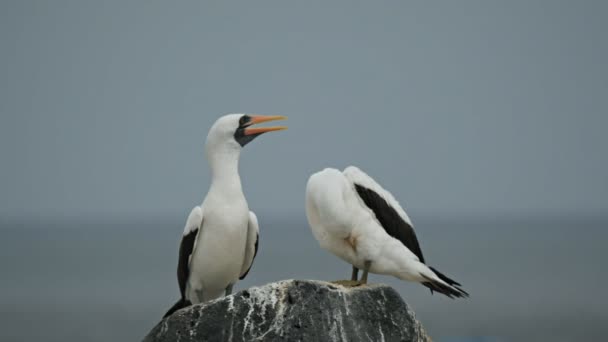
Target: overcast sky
<point>457,107</point>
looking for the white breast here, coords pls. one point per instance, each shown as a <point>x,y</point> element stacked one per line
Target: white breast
<point>218,256</point>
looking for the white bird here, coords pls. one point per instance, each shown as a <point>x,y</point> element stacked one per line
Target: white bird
<point>354,218</point>
<point>220,239</point>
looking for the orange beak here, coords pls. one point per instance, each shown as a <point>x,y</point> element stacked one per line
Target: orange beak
<point>256,119</point>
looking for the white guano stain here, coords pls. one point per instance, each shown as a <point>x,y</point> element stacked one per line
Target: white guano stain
<point>381,333</point>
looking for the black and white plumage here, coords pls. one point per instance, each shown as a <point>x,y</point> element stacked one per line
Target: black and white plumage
<point>220,239</point>
<point>356,219</point>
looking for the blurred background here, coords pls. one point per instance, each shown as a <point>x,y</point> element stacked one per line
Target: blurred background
<point>486,120</point>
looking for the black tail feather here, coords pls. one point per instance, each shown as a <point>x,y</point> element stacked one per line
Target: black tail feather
<point>452,291</point>
<point>444,277</point>
<point>182,303</point>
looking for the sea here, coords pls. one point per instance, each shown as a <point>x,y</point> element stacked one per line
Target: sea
<point>113,279</point>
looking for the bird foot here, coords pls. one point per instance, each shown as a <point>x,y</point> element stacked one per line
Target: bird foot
<point>348,283</point>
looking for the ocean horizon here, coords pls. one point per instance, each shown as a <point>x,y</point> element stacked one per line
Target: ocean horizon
<point>528,280</point>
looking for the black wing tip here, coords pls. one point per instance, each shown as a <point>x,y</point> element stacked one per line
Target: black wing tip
<point>180,304</point>
<point>186,247</point>
<point>255,253</point>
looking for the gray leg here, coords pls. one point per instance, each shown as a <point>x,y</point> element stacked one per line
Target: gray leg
<point>366,267</point>
<point>229,289</point>
<point>355,274</point>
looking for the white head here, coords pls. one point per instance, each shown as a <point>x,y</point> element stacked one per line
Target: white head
<point>230,133</point>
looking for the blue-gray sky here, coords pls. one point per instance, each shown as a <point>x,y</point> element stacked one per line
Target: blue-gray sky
<point>459,108</point>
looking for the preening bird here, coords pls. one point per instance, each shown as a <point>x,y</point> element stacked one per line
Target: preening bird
<point>220,239</point>
<point>356,219</point>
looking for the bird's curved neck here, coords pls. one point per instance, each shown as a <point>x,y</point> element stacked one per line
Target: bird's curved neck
<point>225,169</point>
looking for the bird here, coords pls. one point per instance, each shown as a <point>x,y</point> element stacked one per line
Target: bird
<point>356,219</point>
<point>220,238</point>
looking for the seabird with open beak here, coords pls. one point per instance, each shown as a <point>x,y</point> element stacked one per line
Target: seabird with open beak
<point>220,239</point>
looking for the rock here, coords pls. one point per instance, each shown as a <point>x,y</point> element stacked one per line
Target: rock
<point>296,310</point>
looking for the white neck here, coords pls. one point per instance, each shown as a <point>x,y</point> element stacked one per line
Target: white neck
<point>224,162</point>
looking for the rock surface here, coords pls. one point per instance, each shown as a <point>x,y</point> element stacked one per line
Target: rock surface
<point>296,310</point>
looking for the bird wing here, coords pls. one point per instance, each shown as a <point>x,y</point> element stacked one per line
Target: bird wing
<point>385,207</point>
<point>251,248</point>
<point>193,227</point>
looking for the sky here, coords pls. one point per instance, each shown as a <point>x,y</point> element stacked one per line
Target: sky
<point>468,108</point>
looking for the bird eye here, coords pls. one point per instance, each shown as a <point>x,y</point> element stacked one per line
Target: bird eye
<point>244,119</point>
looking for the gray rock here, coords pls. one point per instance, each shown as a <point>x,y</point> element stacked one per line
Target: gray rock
<point>296,310</point>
